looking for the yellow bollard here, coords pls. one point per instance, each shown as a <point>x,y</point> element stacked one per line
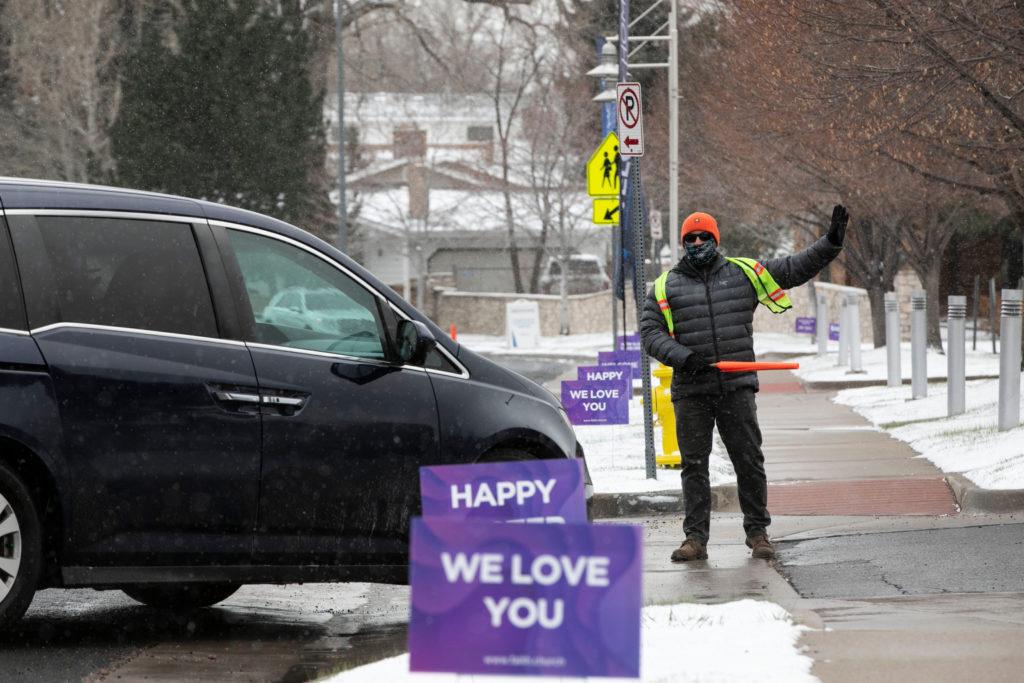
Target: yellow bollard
<point>661,402</point>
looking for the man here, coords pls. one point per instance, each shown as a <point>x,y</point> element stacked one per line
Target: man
<point>702,312</point>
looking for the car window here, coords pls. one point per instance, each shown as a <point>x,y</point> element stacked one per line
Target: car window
<point>128,273</point>
<point>340,315</point>
<point>583,267</point>
<point>12,311</point>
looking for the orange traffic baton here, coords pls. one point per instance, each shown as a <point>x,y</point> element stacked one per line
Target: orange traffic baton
<point>753,366</point>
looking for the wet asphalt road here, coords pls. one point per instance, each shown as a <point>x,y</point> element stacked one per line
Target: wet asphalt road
<point>290,633</point>
<point>979,559</point>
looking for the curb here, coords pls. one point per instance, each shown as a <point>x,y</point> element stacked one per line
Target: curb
<point>970,498</point>
<point>609,505</point>
<point>974,499</point>
<point>837,385</point>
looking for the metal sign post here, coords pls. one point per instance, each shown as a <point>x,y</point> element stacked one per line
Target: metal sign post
<point>627,109</point>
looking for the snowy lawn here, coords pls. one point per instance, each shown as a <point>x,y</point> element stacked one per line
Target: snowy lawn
<point>582,346</point>
<point>746,640</point>
<point>824,369</point>
<point>615,457</point>
<point>968,444</point>
<point>587,345</point>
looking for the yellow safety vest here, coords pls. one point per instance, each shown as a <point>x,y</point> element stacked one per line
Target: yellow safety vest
<point>769,294</point>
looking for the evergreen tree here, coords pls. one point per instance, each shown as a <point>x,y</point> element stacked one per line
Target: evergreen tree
<point>218,104</point>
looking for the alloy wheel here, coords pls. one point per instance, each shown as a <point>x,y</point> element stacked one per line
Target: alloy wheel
<point>10,547</point>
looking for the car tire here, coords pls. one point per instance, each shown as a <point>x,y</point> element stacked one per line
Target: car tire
<point>21,547</point>
<point>181,596</point>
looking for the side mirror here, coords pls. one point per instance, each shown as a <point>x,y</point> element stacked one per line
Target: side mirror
<point>415,340</point>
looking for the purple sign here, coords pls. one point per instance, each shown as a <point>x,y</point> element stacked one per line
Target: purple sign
<point>806,325</point>
<point>629,342</point>
<point>604,373</point>
<point>597,403</point>
<point>833,331</point>
<point>525,491</point>
<point>630,358</point>
<point>528,599</point>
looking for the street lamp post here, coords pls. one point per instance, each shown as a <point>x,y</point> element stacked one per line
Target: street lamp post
<point>672,38</point>
<point>342,240</point>
<point>608,70</point>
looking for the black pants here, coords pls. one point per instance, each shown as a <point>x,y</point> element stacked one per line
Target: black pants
<point>736,415</point>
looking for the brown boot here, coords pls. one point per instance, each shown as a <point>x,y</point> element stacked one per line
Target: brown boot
<point>691,549</point>
<point>761,547</point>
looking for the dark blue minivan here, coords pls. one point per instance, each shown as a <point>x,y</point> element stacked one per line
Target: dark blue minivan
<point>194,397</point>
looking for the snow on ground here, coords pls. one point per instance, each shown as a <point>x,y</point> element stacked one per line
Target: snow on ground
<point>969,444</point>
<point>314,602</point>
<point>587,345</point>
<point>615,457</point>
<point>814,368</point>
<point>582,346</point>
<point>776,342</point>
<point>746,640</point>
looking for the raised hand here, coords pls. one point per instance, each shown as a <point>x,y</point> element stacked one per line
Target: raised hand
<point>837,230</point>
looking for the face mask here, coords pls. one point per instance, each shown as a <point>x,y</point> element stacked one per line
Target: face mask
<point>702,255</point>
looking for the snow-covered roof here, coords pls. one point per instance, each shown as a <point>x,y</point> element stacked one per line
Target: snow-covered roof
<point>411,108</point>
<point>463,211</point>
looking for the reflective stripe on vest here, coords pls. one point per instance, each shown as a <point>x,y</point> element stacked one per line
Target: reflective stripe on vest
<point>768,292</point>
<point>659,294</point>
<point>767,289</point>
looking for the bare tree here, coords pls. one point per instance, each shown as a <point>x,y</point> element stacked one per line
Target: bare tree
<point>63,58</point>
<point>552,125</point>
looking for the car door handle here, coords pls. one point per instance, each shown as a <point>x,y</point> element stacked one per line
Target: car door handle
<point>236,396</point>
<point>285,401</point>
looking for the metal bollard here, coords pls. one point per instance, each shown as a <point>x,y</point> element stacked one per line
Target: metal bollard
<point>1009,359</point>
<point>918,344</point>
<point>821,324</point>
<point>844,334</point>
<point>956,343</point>
<point>892,339</point>
<point>853,319</point>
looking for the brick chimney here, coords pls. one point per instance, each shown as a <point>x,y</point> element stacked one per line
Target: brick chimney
<point>419,191</point>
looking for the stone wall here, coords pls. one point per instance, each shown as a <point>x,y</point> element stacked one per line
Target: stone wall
<point>484,313</point>
<point>804,306</point>
<point>906,282</point>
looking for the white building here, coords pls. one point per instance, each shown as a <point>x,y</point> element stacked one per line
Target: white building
<point>429,200</point>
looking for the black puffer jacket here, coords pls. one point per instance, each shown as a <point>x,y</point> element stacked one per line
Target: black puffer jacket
<point>713,314</point>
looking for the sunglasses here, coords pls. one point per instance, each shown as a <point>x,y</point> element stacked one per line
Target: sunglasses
<point>692,237</point>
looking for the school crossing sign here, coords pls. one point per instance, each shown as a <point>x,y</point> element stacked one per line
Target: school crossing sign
<point>603,168</point>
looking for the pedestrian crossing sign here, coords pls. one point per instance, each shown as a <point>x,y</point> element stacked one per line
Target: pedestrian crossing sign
<point>603,168</point>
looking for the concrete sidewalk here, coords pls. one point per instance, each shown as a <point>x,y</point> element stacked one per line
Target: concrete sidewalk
<point>948,636</point>
<point>820,458</point>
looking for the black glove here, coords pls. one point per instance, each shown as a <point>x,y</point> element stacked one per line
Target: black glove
<point>837,230</point>
<point>694,364</point>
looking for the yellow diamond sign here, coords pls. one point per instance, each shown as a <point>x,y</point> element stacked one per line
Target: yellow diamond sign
<point>603,169</point>
<point>606,210</point>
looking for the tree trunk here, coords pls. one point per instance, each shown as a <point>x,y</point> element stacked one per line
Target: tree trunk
<point>513,248</point>
<point>538,259</point>
<point>563,294</point>
<point>931,287</point>
<point>876,298</point>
